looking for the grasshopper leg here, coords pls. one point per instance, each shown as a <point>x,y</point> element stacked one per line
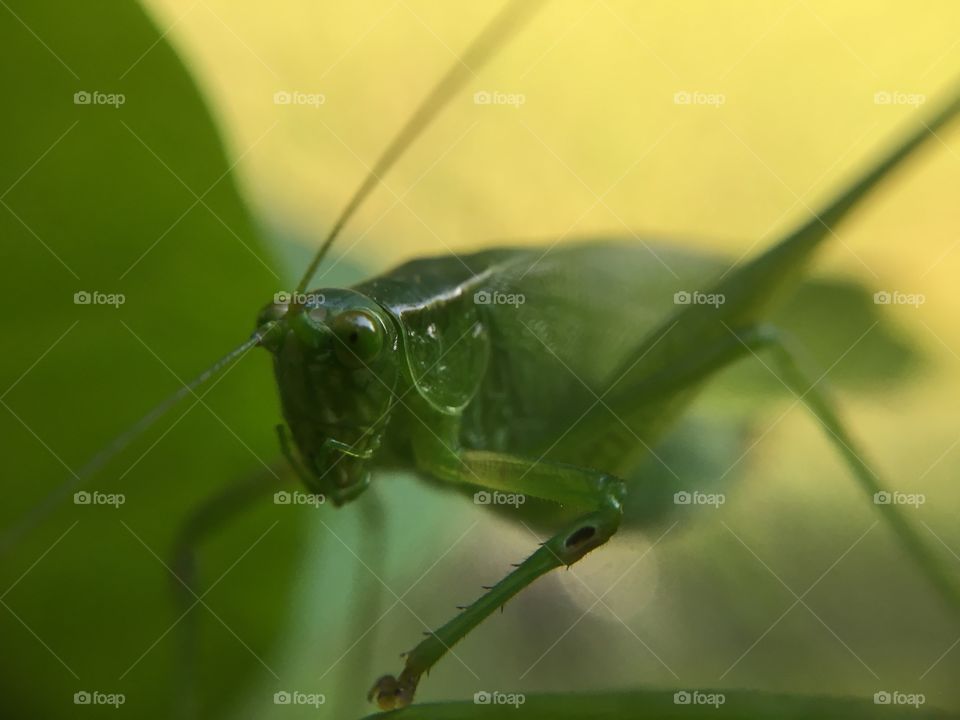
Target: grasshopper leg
<point>819,402</point>
<point>208,517</point>
<point>598,492</point>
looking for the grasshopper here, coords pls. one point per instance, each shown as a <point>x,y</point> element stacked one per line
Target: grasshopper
<point>446,365</point>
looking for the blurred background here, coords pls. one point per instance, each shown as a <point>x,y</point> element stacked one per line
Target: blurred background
<point>188,156</point>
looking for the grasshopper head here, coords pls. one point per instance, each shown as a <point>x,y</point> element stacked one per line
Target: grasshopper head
<point>336,359</point>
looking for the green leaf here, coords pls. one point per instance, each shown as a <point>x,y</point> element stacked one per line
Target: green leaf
<point>102,197</point>
<point>660,704</point>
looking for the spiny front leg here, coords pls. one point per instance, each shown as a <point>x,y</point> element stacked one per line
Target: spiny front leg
<point>565,548</point>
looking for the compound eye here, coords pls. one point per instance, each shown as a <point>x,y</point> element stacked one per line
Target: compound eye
<point>359,337</point>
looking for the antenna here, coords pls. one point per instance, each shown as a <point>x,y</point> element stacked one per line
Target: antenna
<point>52,500</point>
<point>484,46</point>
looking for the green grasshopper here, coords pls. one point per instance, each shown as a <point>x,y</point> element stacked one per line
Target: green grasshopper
<point>446,365</point>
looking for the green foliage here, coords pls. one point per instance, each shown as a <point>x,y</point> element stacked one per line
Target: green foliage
<point>102,198</point>
<point>737,704</point>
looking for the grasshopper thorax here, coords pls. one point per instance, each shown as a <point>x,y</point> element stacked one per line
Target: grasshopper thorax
<point>336,358</point>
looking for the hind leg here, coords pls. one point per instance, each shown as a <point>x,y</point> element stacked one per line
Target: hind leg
<point>786,368</point>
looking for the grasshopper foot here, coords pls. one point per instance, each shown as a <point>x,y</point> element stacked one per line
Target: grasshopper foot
<point>392,693</point>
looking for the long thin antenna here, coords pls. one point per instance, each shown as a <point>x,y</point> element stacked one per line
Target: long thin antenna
<point>483,47</point>
<point>56,496</point>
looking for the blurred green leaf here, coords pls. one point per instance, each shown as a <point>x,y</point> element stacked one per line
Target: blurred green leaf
<point>131,197</point>
<point>740,704</point>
